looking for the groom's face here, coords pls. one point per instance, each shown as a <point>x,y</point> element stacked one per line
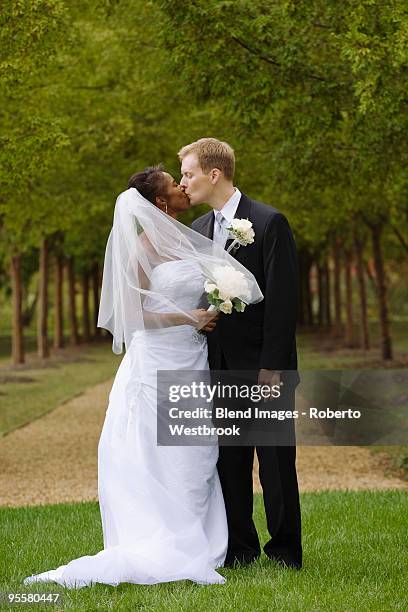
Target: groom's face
<point>197,185</point>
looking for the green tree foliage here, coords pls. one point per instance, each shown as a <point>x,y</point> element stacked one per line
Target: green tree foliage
<point>319,86</point>
<point>311,94</point>
<point>32,35</point>
<point>317,91</point>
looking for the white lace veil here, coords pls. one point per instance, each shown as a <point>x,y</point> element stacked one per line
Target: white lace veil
<point>142,238</point>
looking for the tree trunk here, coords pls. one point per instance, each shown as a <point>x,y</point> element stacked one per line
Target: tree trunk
<point>327,309</point>
<point>95,298</point>
<point>308,291</point>
<point>58,299</point>
<point>43,349</point>
<point>386,344</point>
<point>358,243</point>
<point>337,290</point>
<point>73,325</point>
<point>349,302</point>
<point>305,294</point>
<point>17,347</point>
<point>85,307</point>
<point>320,293</point>
<point>301,296</point>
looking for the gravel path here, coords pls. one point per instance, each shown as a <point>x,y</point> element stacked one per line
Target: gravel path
<point>54,459</point>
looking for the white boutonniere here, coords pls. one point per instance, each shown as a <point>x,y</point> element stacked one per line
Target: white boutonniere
<point>241,232</point>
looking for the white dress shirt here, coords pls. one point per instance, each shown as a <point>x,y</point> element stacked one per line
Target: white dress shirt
<point>227,213</point>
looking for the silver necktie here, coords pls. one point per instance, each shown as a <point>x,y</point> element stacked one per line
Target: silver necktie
<point>220,228</point>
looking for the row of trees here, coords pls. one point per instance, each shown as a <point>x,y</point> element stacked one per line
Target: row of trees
<point>311,94</point>
<point>58,290</point>
<point>79,115</point>
<point>341,281</point>
<point>318,93</point>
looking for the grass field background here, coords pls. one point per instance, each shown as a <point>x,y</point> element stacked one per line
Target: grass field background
<point>355,558</point>
<point>30,392</point>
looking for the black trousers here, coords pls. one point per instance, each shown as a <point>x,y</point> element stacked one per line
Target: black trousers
<point>277,474</point>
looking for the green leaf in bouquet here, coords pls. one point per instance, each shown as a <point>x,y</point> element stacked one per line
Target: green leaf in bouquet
<point>238,305</point>
<point>213,300</point>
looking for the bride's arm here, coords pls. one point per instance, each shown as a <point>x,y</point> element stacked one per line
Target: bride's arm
<point>198,318</point>
<point>155,320</point>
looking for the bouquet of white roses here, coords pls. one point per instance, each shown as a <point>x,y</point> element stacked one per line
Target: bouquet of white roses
<point>242,233</point>
<point>228,290</point>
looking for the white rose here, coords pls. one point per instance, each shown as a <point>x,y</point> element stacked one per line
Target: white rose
<point>209,287</point>
<point>231,283</point>
<point>247,237</point>
<point>241,224</point>
<point>241,230</point>
<point>226,307</point>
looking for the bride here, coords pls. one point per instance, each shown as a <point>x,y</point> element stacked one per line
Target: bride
<point>162,509</point>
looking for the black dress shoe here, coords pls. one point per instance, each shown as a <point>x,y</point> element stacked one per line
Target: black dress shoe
<point>286,553</point>
<point>235,560</point>
<point>286,561</point>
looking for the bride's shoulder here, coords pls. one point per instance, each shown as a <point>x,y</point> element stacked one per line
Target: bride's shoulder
<point>146,244</point>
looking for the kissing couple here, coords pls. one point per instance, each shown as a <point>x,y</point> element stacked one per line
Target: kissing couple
<point>181,512</point>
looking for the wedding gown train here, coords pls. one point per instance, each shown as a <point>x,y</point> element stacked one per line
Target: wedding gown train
<point>162,509</point>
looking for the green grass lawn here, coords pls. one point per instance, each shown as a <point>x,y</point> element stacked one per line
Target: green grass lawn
<point>355,558</point>
<point>29,392</point>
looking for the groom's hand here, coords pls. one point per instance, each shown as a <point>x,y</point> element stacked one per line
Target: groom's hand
<point>211,325</point>
<point>205,320</point>
<point>269,378</point>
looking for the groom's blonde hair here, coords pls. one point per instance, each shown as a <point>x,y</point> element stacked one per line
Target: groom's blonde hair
<point>212,153</point>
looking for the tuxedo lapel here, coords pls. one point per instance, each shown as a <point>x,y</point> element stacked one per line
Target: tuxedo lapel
<point>244,208</point>
<point>208,225</point>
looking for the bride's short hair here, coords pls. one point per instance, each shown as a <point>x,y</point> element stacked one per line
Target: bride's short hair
<point>149,182</point>
<point>212,153</point>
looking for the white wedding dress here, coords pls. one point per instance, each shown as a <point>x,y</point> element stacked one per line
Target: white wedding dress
<point>162,509</point>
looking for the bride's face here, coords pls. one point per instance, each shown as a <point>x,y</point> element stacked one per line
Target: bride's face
<point>173,194</point>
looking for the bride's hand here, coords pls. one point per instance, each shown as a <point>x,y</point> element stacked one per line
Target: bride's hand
<point>205,321</point>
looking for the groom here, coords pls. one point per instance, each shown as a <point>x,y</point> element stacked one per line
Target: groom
<point>261,338</point>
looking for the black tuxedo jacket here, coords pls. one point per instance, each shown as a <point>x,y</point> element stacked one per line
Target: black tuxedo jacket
<point>263,336</point>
